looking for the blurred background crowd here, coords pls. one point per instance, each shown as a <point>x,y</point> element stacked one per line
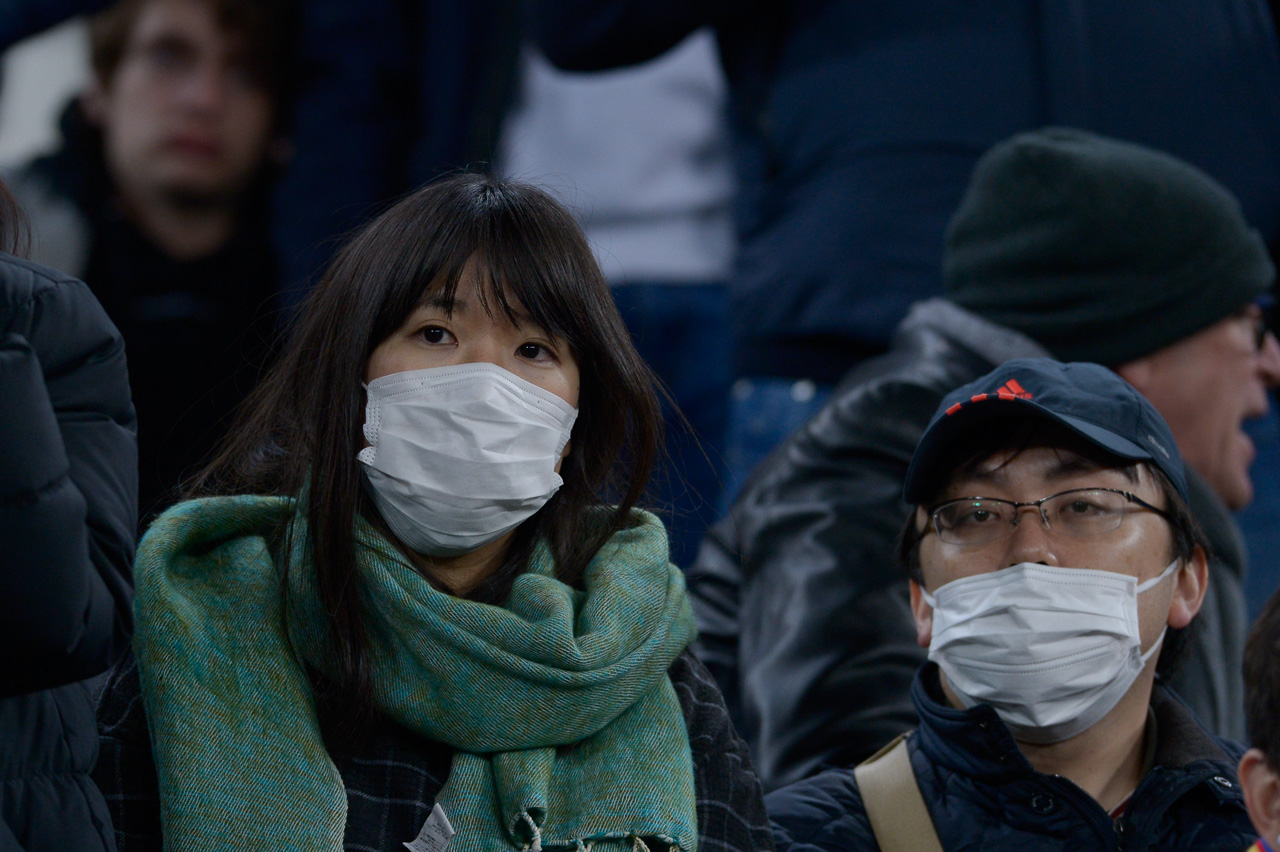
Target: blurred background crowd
<point>767,186</point>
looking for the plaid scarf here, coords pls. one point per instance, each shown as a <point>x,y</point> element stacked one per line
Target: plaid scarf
<point>567,729</point>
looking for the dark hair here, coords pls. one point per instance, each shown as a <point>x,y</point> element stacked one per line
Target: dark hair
<point>1262,682</point>
<point>268,27</point>
<point>15,234</point>
<point>1186,533</point>
<point>300,430</point>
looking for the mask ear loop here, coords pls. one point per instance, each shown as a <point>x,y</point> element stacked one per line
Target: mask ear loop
<point>1154,581</point>
<point>1149,584</point>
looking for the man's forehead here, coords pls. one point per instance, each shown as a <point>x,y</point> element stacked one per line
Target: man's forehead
<point>1045,462</point>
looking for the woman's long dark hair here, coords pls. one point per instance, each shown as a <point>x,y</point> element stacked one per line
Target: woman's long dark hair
<point>14,230</point>
<point>300,430</point>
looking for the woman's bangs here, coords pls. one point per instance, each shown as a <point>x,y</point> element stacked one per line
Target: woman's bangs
<point>519,284</point>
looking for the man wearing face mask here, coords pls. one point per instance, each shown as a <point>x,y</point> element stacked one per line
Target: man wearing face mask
<point>1067,244</point>
<point>1054,564</point>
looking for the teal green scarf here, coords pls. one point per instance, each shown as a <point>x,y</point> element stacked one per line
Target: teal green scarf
<point>238,751</point>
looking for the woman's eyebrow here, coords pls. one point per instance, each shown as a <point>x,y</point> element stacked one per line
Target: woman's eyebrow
<point>519,318</point>
<point>439,302</point>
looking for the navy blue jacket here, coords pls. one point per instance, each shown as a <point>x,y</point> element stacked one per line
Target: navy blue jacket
<point>858,122</point>
<point>982,794</point>
<point>393,93</point>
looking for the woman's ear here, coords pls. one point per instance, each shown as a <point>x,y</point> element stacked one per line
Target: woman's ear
<point>1261,785</point>
<point>1189,587</point>
<point>922,613</point>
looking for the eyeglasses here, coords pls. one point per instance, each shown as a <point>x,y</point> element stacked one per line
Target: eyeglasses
<point>1079,513</point>
<point>1260,313</point>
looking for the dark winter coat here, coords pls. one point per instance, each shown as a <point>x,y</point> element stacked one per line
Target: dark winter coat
<point>393,775</point>
<point>68,506</point>
<point>858,123</point>
<point>983,795</point>
<point>801,605</point>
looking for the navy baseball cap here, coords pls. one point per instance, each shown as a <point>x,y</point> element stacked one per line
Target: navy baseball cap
<point>1091,401</point>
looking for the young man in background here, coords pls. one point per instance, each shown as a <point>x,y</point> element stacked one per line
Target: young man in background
<point>157,200</point>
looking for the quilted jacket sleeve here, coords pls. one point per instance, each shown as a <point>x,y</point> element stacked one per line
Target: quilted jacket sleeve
<point>821,814</point>
<point>68,482</point>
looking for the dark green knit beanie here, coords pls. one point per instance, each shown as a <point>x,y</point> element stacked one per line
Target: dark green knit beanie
<point>1098,249</point>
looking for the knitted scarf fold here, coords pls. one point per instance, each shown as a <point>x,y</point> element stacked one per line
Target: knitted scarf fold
<point>566,727</point>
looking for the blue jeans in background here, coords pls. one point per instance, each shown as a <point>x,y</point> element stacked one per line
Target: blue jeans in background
<point>763,412</point>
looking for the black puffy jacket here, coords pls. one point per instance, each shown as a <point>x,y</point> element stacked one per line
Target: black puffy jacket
<point>68,511</point>
<point>983,795</point>
<point>802,607</point>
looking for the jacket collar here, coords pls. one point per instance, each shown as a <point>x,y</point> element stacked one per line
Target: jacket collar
<point>995,342</point>
<point>975,742</point>
<point>1214,518</point>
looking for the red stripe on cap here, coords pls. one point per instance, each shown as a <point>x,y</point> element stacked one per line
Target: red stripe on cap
<point>953,409</point>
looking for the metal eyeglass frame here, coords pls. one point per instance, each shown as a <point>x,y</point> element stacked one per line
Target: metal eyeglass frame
<point>1039,506</point>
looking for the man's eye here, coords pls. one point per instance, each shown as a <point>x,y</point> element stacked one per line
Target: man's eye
<point>969,516</point>
<point>534,351</point>
<point>977,516</point>
<point>1088,505</point>
<point>168,56</point>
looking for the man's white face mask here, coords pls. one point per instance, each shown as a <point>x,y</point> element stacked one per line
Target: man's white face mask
<point>1053,650</point>
<point>459,456</point>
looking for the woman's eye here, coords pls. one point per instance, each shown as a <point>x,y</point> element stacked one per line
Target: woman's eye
<point>436,334</point>
<point>535,352</point>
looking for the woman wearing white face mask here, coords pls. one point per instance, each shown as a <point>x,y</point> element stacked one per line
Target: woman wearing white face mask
<point>415,604</point>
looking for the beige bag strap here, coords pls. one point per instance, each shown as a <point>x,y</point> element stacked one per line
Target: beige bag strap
<point>891,796</point>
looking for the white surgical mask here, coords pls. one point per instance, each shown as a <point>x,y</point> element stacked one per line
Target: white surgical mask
<point>460,456</point>
<point>1051,649</point>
